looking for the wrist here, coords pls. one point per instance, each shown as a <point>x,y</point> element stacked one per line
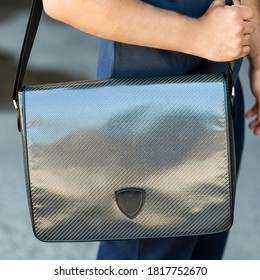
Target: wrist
<point>187,41</point>
<point>198,39</point>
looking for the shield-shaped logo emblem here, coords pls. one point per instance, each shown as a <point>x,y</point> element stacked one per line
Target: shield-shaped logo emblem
<point>130,201</point>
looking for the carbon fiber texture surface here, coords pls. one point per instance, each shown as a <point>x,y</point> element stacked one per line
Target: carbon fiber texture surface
<point>167,137</point>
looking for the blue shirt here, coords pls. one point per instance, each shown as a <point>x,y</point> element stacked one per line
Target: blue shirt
<point>124,61</point>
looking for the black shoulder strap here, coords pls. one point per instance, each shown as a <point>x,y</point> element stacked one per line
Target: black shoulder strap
<point>32,26</point>
<point>229,2</point>
<point>33,23</point>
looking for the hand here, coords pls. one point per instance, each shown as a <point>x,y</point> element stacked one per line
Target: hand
<point>225,31</point>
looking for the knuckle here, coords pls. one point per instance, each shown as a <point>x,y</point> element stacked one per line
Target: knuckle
<point>235,45</point>
<point>247,12</point>
<point>235,53</point>
<point>238,42</point>
<point>251,12</point>
<point>234,13</point>
<point>238,29</point>
<point>247,50</point>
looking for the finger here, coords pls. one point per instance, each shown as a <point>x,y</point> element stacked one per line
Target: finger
<point>246,41</point>
<point>245,51</point>
<point>257,130</point>
<point>247,12</point>
<point>249,27</point>
<point>256,111</point>
<point>252,112</point>
<point>254,124</point>
<point>258,114</point>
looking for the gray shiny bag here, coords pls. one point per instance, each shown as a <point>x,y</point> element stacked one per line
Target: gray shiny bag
<point>127,158</point>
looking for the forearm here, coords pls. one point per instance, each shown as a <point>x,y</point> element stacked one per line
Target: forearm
<point>254,55</point>
<point>127,21</point>
<point>254,70</point>
<point>218,35</point>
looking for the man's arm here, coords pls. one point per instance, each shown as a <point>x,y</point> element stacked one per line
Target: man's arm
<point>254,70</point>
<point>222,34</point>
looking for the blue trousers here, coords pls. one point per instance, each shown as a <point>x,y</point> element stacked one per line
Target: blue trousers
<point>206,247</point>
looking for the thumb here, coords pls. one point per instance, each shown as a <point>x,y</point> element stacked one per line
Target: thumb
<point>236,2</point>
<point>219,3</point>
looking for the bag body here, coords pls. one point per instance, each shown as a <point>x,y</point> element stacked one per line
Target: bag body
<point>126,158</point>
<point>129,158</point>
